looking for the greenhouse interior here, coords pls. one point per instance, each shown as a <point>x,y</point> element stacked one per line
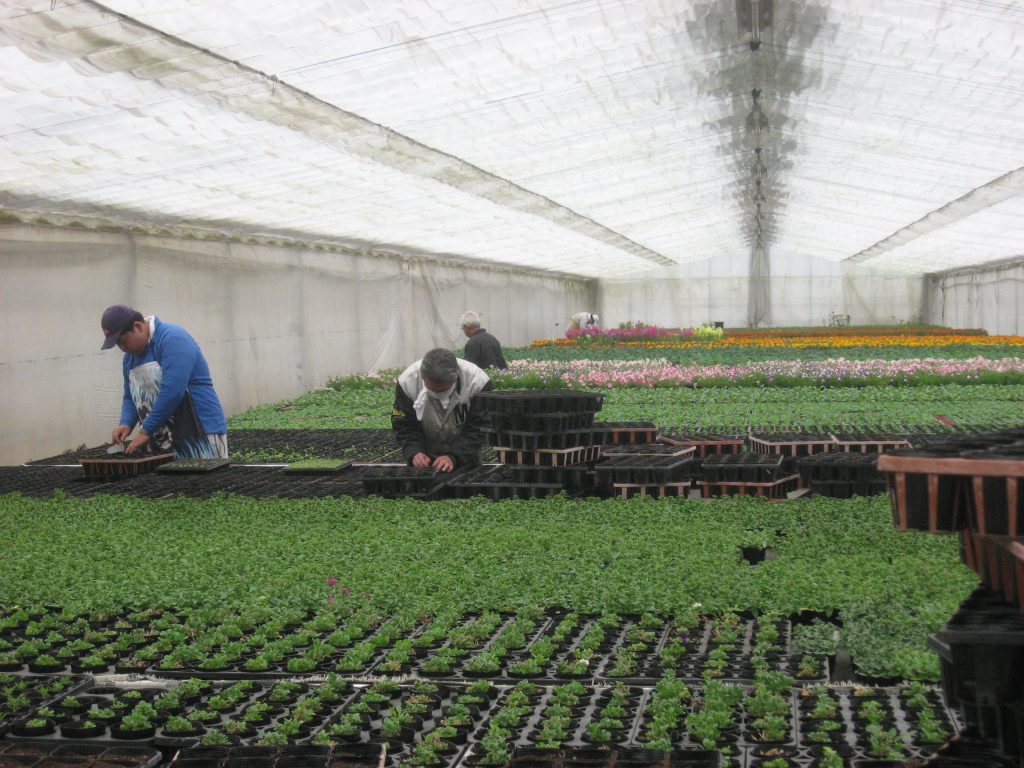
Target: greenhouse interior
<point>516,383</point>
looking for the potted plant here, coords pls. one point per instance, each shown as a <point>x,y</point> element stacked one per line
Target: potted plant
<point>177,725</point>
<point>137,724</point>
<point>215,738</point>
<point>36,726</point>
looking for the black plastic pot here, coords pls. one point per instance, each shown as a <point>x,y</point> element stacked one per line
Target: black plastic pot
<point>121,733</point>
<point>76,729</point>
<point>23,729</point>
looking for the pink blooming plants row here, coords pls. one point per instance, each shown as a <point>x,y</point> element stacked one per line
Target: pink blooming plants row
<point>607,374</point>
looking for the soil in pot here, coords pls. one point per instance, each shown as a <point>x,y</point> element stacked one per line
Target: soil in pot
<point>82,729</point>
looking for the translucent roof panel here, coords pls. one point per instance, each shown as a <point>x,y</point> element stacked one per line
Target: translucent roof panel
<point>590,137</point>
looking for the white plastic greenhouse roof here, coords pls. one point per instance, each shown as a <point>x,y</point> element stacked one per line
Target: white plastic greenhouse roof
<point>590,137</point>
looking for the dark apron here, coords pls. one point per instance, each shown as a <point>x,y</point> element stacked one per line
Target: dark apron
<point>182,434</point>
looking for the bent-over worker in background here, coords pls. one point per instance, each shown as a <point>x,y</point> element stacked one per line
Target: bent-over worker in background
<point>434,418</point>
<point>482,349</point>
<point>584,320</point>
<point>167,387</point>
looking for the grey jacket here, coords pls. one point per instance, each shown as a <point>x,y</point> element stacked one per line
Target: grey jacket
<point>484,351</point>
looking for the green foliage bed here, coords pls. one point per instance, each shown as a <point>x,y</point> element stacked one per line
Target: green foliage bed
<point>591,556</point>
<point>890,589</point>
<point>875,408</point>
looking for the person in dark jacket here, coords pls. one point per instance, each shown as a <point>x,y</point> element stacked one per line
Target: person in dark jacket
<point>434,418</point>
<point>482,349</point>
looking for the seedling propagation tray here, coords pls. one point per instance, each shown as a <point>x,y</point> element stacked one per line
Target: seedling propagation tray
<point>53,754</point>
<point>474,722</point>
<point>193,466</point>
<point>123,465</point>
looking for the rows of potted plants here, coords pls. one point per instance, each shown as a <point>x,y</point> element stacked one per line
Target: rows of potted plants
<point>429,723</point>
<point>20,694</point>
<point>530,644</point>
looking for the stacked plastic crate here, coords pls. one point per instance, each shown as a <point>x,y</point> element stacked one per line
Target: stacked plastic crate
<point>546,442</point>
<point>646,470</point>
<point>972,486</point>
<point>746,474</point>
<point>841,474</point>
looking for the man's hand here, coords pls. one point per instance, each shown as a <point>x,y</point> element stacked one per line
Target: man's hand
<point>120,434</point>
<point>421,460</point>
<point>140,441</point>
<point>444,464</point>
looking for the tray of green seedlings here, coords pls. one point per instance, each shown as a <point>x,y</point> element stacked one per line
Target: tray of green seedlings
<point>193,466</point>
<point>317,467</point>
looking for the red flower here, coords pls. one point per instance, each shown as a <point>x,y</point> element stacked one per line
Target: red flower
<point>331,581</point>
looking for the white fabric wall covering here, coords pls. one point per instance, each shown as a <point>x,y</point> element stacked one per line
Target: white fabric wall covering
<point>991,298</point>
<point>802,291</point>
<point>273,321</point>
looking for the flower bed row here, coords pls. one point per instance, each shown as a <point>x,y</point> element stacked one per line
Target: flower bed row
<point>795,341</point>
<point>606,374</point>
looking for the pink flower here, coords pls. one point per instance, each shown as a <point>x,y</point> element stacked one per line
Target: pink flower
<point>331,581</point>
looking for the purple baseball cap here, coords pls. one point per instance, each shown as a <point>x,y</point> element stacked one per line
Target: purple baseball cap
<point>115,320</point>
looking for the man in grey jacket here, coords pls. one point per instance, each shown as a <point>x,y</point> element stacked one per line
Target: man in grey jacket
<point>434,418</point>
<point>482,349</point>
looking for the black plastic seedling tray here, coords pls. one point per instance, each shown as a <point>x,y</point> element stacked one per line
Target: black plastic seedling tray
<point>317,467</point>
<point>64,754</point>
<point>529,441</point>
<point>400,481</point>
<point>511,403</point>
<point>862,467</point>
<point>742,468</point>
<point>543,422</point>
<point>256,482</point>
<point>643,469</point>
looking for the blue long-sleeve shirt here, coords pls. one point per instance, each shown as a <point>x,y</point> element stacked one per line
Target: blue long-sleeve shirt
<point>184,368</point>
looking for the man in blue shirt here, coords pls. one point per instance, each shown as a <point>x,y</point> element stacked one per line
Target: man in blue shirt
<point>167,387</point>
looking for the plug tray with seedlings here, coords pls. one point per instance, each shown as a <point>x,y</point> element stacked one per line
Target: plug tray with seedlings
<point>316,467</point>
<point>193,466</point>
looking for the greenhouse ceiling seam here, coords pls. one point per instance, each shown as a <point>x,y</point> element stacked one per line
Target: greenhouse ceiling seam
<point>454,171</point>
<point>996,191</point>
<point>989,266</point>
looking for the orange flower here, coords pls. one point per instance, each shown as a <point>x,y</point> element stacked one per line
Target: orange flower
<point>811,338</point>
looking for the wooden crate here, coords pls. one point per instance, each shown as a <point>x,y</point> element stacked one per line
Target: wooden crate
<point>869,446</point>
<point>115,468</point>
<point>549,457</point>
<point>776,489</point>
<point>790,447</point>
<point>999,563</point>
<point>629,490</point>
<point>987,492</point>
<point>706,447</point>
